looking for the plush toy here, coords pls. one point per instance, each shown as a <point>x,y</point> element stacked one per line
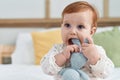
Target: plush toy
<point>77,61</point>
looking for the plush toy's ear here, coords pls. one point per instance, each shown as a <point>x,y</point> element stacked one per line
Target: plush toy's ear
<point>86,41</point>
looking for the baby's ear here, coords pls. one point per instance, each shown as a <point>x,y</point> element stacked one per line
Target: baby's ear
<point>92,31</point>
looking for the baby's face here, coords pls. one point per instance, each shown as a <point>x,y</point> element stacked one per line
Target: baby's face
<point>77,25</point>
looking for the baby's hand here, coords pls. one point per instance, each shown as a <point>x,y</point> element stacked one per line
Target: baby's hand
<point>69,49</point>
<point>90,51</point>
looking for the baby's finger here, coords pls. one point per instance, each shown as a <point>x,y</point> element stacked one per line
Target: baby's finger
<point>71,49</point>
<point>85,45</point>
<point>76,48</point>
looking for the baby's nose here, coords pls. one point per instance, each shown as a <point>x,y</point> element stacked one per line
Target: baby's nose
<point>73,31</point>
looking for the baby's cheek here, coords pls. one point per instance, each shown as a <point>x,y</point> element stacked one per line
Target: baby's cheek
<point>86,31</point>
<point>83,35</point>
<point>63,39</point>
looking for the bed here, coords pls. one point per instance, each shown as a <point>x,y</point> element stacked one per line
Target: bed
<point>23,65</point>
<point>22,55</point>
<point>27,72</point>
<point>22,72</point>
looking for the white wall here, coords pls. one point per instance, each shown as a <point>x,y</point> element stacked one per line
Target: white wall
<point>35,9</point>
<point>22,8</point>
<point>9,35</point>
<point>114,8</point>
<point>57,6</point>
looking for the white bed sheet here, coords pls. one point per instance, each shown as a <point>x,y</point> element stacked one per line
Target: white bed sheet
<point>22,72</point>
<point>34,72</point>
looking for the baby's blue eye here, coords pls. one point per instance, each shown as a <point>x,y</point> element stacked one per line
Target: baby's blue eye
<point>67,25</point>
<point>80,27</point>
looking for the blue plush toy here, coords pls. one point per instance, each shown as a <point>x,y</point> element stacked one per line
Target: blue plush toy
<point>77,61</point>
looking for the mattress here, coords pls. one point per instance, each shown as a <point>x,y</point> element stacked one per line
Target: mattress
<point>23,72</point>
<point>34,72</point>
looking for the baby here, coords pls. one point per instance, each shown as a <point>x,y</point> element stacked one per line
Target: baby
<point>79,20</point>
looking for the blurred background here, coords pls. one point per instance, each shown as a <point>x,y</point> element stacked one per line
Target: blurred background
<point>24,15</point>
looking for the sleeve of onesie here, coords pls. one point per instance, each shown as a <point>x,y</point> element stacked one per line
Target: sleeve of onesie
<point>104,66</point>
<point>48,61</point>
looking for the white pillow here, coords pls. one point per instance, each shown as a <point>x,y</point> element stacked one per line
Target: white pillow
<point>107,28</point>
<point>103,29</point>
<point>24,52</point>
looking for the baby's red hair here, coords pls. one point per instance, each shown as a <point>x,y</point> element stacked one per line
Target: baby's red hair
<point>81,6</point>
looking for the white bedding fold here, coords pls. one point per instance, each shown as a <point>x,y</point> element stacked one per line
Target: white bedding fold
<point>34,72</point>
<point>22,72</point>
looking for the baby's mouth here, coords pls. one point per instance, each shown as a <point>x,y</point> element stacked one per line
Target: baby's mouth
<point>70,41</point>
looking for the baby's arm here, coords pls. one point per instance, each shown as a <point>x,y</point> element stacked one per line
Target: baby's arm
<point>48,62</point>
<point>53,62</point>
<point>104,66</point>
